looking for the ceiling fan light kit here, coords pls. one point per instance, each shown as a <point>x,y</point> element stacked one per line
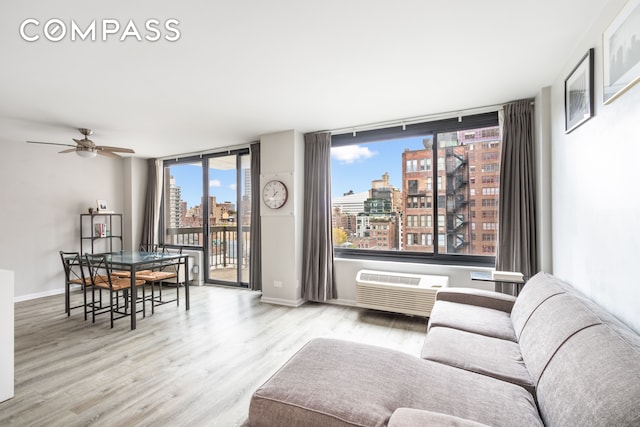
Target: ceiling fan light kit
<point>86,153</point>
<point>87,149</point>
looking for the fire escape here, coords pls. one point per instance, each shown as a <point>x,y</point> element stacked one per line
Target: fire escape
<point>457,203</point>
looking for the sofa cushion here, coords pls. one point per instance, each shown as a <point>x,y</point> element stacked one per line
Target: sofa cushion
<point>593,380</point>
<point>340,383</point>
<point>410,417</point>
<point>497,358</point>
<point>471,318</point>
<point>549,327</point>
<point>537,290</point>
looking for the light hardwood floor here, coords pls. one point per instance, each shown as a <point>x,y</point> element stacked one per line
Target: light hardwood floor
<point>178,368</point>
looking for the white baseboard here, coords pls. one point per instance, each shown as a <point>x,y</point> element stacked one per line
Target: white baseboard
<point>345,302</point>
<point>38,295</point>
<point>286,302</point>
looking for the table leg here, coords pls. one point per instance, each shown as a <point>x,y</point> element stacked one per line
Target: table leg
<point>186,281</point>
<point>132,298</point>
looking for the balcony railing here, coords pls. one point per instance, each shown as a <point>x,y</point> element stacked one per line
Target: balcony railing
<point>223,243</point>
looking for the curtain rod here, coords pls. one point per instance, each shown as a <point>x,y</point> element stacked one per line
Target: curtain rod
<point>227,148</point>
<point>419,119</point>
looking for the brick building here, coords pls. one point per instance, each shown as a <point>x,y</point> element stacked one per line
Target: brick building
<point>463,182</point>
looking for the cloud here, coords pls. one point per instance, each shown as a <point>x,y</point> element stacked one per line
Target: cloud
<point>233,186</point>
<point>215,183</point>
<point>352,153</point>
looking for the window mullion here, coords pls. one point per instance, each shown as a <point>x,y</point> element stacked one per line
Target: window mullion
<point>434,194</point>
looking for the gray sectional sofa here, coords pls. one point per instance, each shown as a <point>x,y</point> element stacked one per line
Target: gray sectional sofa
<point>550,357</point>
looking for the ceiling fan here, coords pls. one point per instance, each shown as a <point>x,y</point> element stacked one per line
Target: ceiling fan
<point>87,148</point>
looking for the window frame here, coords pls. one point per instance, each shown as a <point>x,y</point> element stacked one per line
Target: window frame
<point>410,130</point>
<point>192,159</point>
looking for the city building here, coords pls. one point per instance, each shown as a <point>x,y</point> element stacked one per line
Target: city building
<point>369,220</point>
<point>175,208</point>
<point>463,188</point>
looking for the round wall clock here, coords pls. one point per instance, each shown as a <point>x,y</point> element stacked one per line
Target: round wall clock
<point>274,194</point>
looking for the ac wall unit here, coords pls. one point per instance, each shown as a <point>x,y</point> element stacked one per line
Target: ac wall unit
<point>403,293</point>
<point>195,260</point>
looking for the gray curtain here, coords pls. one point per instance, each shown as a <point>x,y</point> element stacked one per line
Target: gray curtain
<point>517,221</point>
<point>317,241</point>
<point>151,221</point>
<point>255,248</point>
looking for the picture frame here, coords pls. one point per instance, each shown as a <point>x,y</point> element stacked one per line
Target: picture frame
<point>102,205</point>
<point>621,52</point>
<point>578,93</point>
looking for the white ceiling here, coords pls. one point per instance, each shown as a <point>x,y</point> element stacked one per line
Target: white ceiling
<point>244,68</point>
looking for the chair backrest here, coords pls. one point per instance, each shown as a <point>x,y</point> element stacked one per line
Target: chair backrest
<point>72,264</point>
<point>166,250</point>
<point>173,266</point>
<point>98,269</point>
<point>145,247</point>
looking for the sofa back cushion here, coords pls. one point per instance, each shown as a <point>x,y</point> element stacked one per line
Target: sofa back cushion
<point>593,379</point>
<point>549,327</point>
<point>537,290</point>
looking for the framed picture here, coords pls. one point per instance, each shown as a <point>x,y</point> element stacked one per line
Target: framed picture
<point>102,205</point>
<point>578,93</point>
<point>621,52</point>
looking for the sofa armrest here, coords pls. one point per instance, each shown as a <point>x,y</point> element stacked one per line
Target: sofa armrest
<point>478,297</point>
<point>409,417</point>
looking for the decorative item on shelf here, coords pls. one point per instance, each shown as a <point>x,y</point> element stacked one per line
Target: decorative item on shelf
<point>90,211</point>
<point>578,93</point>
<point>621,52</point>
<point>102,206</point>
<point>101,230</point>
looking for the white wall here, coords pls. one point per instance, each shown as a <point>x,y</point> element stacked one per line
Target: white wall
<point>135,193</point>
<point>542,134</point>
<point>282,156</point>
<point>7,340</point>
<point>41,196</point>
<point>595,178</point>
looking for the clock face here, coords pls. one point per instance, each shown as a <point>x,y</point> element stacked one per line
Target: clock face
<point>274,194</point>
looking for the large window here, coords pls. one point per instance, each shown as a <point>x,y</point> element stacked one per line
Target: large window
<point>423,212</point>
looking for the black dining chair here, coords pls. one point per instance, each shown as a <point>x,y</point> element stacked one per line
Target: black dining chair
<point>74,275</point>
<point>146,247</point>
<point>169,273</point>
<point>101,278</point>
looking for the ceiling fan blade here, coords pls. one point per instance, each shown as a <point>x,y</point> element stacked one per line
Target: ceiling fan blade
<point>108,154</point>
<point>70,150</point>
<point>50,143</point>
<point>87,143</point>
<point>116,149</point>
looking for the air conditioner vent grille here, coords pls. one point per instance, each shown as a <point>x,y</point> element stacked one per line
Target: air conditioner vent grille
<point>398,292</point>
<point>390,278</point>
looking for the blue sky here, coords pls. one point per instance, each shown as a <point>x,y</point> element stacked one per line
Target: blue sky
<point>353,167</point>
<point>222,183</point>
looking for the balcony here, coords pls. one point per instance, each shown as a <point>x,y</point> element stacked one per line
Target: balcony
<point>224,259</point>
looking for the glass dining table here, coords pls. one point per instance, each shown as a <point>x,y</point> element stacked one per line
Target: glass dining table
<point>133,261</point>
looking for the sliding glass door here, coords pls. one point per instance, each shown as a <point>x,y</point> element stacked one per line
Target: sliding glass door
<point>207,207</point>
<point>228,209</point>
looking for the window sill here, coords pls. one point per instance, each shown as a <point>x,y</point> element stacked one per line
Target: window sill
<point>415,257</point>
